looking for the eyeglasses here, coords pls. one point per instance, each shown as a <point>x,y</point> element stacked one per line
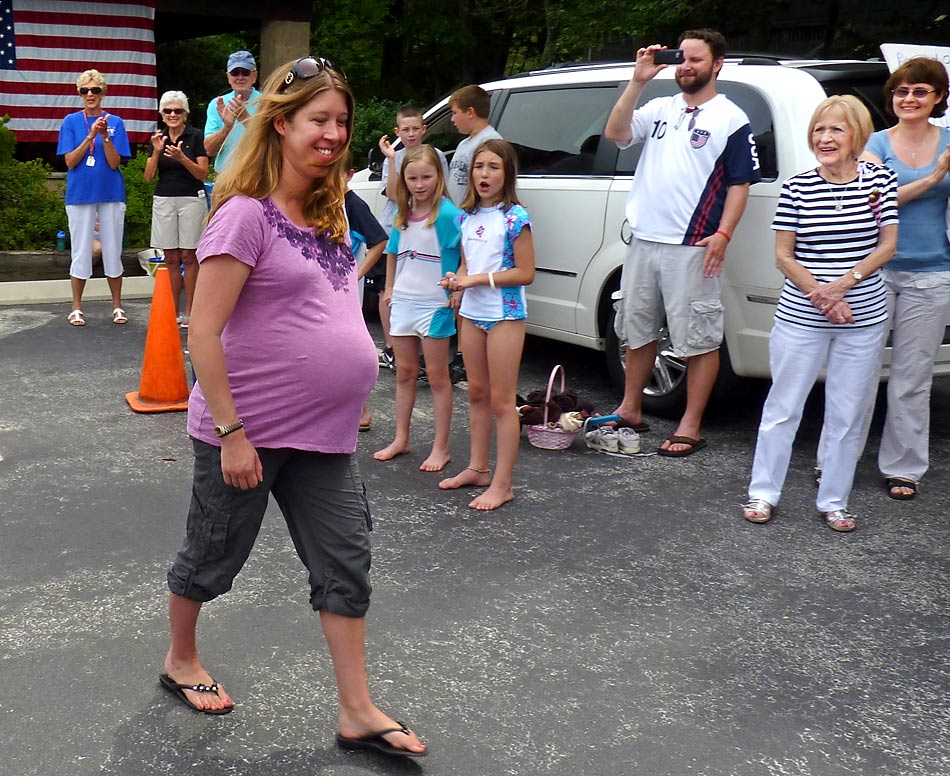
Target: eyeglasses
<point>307,68</point>
<point>240,72</point>
<point>919,93</point>
<point>88,89</point>
<point>170,111</point>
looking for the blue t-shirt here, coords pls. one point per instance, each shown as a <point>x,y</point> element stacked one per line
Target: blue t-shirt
<point>922,244</point>
<point>214,122</point>
<point>98,183</point>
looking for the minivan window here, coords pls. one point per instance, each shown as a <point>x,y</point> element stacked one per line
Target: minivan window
<point>442,133</point>
<point>557,131</point>
<point>755,107</point>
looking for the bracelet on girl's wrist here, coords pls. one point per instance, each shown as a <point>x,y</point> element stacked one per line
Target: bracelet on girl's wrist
<point>725,234</point>
<point>491,280</point>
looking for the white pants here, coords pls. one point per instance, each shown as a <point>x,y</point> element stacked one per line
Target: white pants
<point>82,224</point>
<point>796,356</point>
<point>917,305</point>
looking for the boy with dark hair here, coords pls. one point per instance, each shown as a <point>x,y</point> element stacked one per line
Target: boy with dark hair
<point>470,108</point>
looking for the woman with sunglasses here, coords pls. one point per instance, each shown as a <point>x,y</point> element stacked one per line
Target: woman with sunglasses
<point>178,207</point>
<point>917,279</point>
<point>284,363</point>
<point>93,143</point>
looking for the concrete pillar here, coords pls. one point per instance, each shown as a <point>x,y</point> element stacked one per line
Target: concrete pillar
<point>280,42</point>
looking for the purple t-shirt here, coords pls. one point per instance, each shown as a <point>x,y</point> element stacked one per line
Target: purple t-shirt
<point>300,360</point>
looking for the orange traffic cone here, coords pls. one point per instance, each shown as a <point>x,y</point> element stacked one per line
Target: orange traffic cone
<point>163,387</point>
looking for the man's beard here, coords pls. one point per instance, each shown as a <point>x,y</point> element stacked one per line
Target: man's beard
<point>698,82</point>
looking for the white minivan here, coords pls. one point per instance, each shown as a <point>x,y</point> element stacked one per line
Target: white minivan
<point>574,184</point>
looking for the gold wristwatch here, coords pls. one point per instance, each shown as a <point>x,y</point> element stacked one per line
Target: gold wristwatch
<point>223,431</point>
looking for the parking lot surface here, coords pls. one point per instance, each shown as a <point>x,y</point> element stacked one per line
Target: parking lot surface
<point>619,617</point>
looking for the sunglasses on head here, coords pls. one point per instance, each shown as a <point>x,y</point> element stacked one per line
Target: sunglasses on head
<point>170,111</point>
<point>309,67</point>
<point>88,89</point>
<point>240,72</point>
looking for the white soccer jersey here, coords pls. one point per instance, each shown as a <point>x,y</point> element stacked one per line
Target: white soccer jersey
<point>690,159</point>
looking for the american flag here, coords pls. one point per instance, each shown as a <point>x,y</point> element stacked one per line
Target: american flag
<point>46,44</point>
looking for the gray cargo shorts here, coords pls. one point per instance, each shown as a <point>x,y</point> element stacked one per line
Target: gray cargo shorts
<point>323,501</point>
<point>667,280</point>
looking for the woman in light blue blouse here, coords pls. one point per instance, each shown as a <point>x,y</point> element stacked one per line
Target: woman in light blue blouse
<point>918,277</point>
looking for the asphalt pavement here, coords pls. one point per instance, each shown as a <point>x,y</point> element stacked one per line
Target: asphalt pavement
<point>619,617</point>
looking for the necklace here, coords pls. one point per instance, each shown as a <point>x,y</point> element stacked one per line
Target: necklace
<point>839,199</point>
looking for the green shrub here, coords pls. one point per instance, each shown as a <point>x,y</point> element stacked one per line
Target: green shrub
<point>373,119</point>
<point>138,202</point>
<point>30,214</point>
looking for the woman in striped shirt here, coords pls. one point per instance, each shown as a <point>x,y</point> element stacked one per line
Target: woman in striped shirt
<point>835,226</point>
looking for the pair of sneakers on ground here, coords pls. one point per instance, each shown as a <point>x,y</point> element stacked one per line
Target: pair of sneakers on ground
<point>607,439</point>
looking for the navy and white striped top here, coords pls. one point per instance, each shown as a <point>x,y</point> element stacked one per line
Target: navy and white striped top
<point>836,225</point>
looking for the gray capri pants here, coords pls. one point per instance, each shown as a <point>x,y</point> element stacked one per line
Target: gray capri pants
<point>323,501</point>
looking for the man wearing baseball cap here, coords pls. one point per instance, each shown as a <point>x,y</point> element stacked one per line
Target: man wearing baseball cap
<point>226,115</point>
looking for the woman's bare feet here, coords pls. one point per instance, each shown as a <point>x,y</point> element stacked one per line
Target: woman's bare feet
<point>492,498</point>
<point>437,460</point>
<point>370,722</point>
<point>388,453</point>
<point>467,478</point>
<point>194,673</point>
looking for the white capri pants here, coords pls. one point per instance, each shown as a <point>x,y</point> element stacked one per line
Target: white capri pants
<point>797,355</point>
<point>82,225</point>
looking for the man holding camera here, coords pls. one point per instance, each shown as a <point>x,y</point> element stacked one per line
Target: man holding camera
<point>227,114</point>
<point>687,197</point>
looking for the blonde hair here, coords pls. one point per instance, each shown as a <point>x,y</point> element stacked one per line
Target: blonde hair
<point>427,155</point>
<point>255,168</point>
<point>855,115</point>
<point>509,165</point>
<point>91,75</point>
<point>169,97</point>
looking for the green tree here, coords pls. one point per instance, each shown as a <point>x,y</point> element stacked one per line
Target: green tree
<point>30,213</point>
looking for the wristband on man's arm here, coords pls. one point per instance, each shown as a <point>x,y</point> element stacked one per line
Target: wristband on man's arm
<point>724,234</point>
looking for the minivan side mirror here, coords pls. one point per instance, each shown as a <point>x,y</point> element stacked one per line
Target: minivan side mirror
<point>375,161</point>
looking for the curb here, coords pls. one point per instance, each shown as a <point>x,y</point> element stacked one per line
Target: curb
<point>50,291</point>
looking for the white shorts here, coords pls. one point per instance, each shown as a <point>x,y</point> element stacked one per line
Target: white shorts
<point>411,317</point>
<point>177,222</point>
<point>667,280</point>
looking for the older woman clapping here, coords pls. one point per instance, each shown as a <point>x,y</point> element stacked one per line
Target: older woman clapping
<point>93,143</point>
<point>835,226</point>
<point>178,207</point>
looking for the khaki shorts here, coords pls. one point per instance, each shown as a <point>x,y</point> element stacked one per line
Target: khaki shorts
<point>177,222</point>
<point>666,281</point>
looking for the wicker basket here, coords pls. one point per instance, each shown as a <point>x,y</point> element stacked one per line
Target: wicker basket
<point>541,435</point>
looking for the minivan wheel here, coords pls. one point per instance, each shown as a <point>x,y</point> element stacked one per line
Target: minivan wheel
<point>665,393</point>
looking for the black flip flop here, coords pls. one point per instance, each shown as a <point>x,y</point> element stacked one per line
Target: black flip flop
<point>376,742</point>
<point>695,445</point>
<point>178,690</point>
<point>640,428</point>
<point>899,482</point>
